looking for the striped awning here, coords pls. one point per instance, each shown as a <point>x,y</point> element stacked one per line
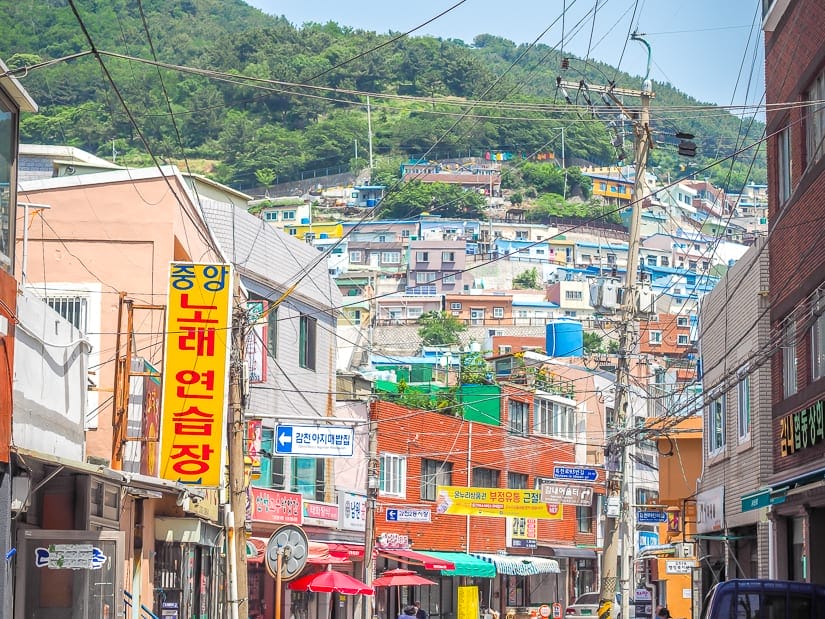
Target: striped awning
<point>514,565</point>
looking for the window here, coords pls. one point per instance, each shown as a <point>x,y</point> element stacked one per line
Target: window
<point>288,216</point>
<point>293,232</point>
<point>425,277</point>
<point>603,186</point>
<point>405,234</point>
<point>393,476</point>
<point>73,308</point>
<point>518,417</point>
<point>681,321</point>
<point>382,238</point>
<point>789,358</point>
<point>691,265</point>
<point>434,474</point>
<point>682,340</point>
<point>8,156</point>
<point>554,419</point>
<point>455,306</point>
<point>414,311</point>
<point>655,337</point>
<point>272,332</point>
<point>447,256</point>
<point>646,496</point>
<point>783,164</point>
<point>498,312</point>
<point>448,279</point>
<point>306,343</point>
<point>818,341</point>
<point>522,235</point>
<point>573,295</point>
<point>611,258</point>
<point>355,256</point>
<point>705,265</point>
<point>517,481</point>
<point>271,216</point>
<point>539,252</point>
<point>308,478</point>
<point>422,256</point>
<point>716,426</point>
<point>584,518</point>
<point>743,399</point>
<point>485,478</point>
<point>391,257</point>
<point>665,261</point>
<point>651,261</point>
<point>815,121</point>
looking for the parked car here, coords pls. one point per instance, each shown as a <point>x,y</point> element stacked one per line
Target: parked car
<point>586,606</point>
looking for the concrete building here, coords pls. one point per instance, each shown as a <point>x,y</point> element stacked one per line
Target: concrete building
<point>734,328</point>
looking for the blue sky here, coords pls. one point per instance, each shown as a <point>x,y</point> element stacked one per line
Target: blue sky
<point>710,49</point>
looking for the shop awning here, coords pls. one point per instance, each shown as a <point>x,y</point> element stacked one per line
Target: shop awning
<point>353,552</point>
<point>428,562</point>
<point>465,565</point>
<point>255,549</point>
<point>514,565</point>
<point>574,553</point>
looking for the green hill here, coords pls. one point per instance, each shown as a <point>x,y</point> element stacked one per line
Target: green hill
<point>246,124</point>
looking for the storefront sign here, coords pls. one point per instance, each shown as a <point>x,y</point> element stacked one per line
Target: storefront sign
<point>254,436</point>
<point>566,493</point>
<point>394,541</point>
<point>321,514</point>
<point>256,340</point>
<point>467,603</point>
<point>710,510</point>
<point>678,567</point>
<point>802,429</point>
<point>522,533</point>
<point>646,538</point>
<point>495,502</point>
<point>275,506</point>
<point>394,514</point>
<point>206,507</point>
<point>575,473</point>
<point>195,373</point>
<point>650,516</point>
<point>70,557</point>
<point>353,511</point>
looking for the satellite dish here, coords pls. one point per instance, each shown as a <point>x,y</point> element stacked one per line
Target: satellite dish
<point>292,544</point>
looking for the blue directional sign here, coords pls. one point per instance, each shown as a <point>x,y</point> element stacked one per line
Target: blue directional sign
<point>320,441</point>
<point>650,516</point>
<point>408,515</point>
<point>575,473</point>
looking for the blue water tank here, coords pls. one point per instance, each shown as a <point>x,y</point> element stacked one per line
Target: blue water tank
<point>371,202</point>
<point>304,221</point>
<point>565,338</point>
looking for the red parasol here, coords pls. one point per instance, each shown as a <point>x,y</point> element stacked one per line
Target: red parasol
<point>400,578</point>
<point>331,581</point>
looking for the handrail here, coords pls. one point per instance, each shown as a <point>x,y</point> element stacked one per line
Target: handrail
<point>145,613</point>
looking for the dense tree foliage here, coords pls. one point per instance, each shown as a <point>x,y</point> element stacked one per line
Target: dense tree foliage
<point>264,117</point>
<point>415,198</point>
<point>439,329</point>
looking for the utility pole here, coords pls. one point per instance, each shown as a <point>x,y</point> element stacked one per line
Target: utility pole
<point>236,519</point>
<point>617,522</point>
<point>373,480</point>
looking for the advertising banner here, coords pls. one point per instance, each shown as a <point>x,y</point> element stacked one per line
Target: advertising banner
<point>495,502</point>
<point>198,337</point>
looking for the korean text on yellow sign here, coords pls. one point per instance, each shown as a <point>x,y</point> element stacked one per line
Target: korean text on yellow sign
<point>496,502</point>
<point>198,337</point>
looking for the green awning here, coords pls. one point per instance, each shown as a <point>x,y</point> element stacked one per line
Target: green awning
<point>465,565</point>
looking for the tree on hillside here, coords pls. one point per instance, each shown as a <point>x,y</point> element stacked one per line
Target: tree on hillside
<point>414,198</point>
<point>439,329</point>
<point>528,279</point>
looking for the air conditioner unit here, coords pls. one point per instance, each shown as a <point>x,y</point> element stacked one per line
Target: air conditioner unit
<point>646,300</point>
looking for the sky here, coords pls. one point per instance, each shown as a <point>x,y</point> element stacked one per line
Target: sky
<point>710,49</point>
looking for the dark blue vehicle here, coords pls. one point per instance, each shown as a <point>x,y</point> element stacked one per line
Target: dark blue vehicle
<point>764,599</point>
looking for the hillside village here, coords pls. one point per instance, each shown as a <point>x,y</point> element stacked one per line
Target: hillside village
<point>214,400</point>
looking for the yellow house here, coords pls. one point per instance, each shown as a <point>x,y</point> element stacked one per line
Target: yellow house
<point>612,189</point>
<point>320,230</point>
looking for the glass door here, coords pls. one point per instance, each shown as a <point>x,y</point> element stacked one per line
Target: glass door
<point>70,574</point>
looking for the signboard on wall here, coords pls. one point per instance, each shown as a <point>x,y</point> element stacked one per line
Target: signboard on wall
<point>522,533</point>
<point>195,376</point>
<point>275,506</point>
<point>353,511</point>
<point>802,429</point>
<point>495,502</point>
<point>256,340</point>
<point>710,510</point>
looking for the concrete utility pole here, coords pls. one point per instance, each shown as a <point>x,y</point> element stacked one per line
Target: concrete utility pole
<point>236,522</point>
<point>619,521</point>
<point>373,479</point>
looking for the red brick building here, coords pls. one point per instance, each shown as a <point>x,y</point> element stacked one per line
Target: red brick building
<point>795,89</point>
<point>421,450</point>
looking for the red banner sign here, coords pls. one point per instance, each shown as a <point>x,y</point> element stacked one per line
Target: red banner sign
<point>276,507</point>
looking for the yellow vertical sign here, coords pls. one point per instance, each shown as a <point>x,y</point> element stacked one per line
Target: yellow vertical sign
<point>467,603</point>
<point>195,376</point>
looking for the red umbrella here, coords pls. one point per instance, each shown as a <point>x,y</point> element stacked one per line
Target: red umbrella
<point>400,578</point>
<point>329,581</point>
